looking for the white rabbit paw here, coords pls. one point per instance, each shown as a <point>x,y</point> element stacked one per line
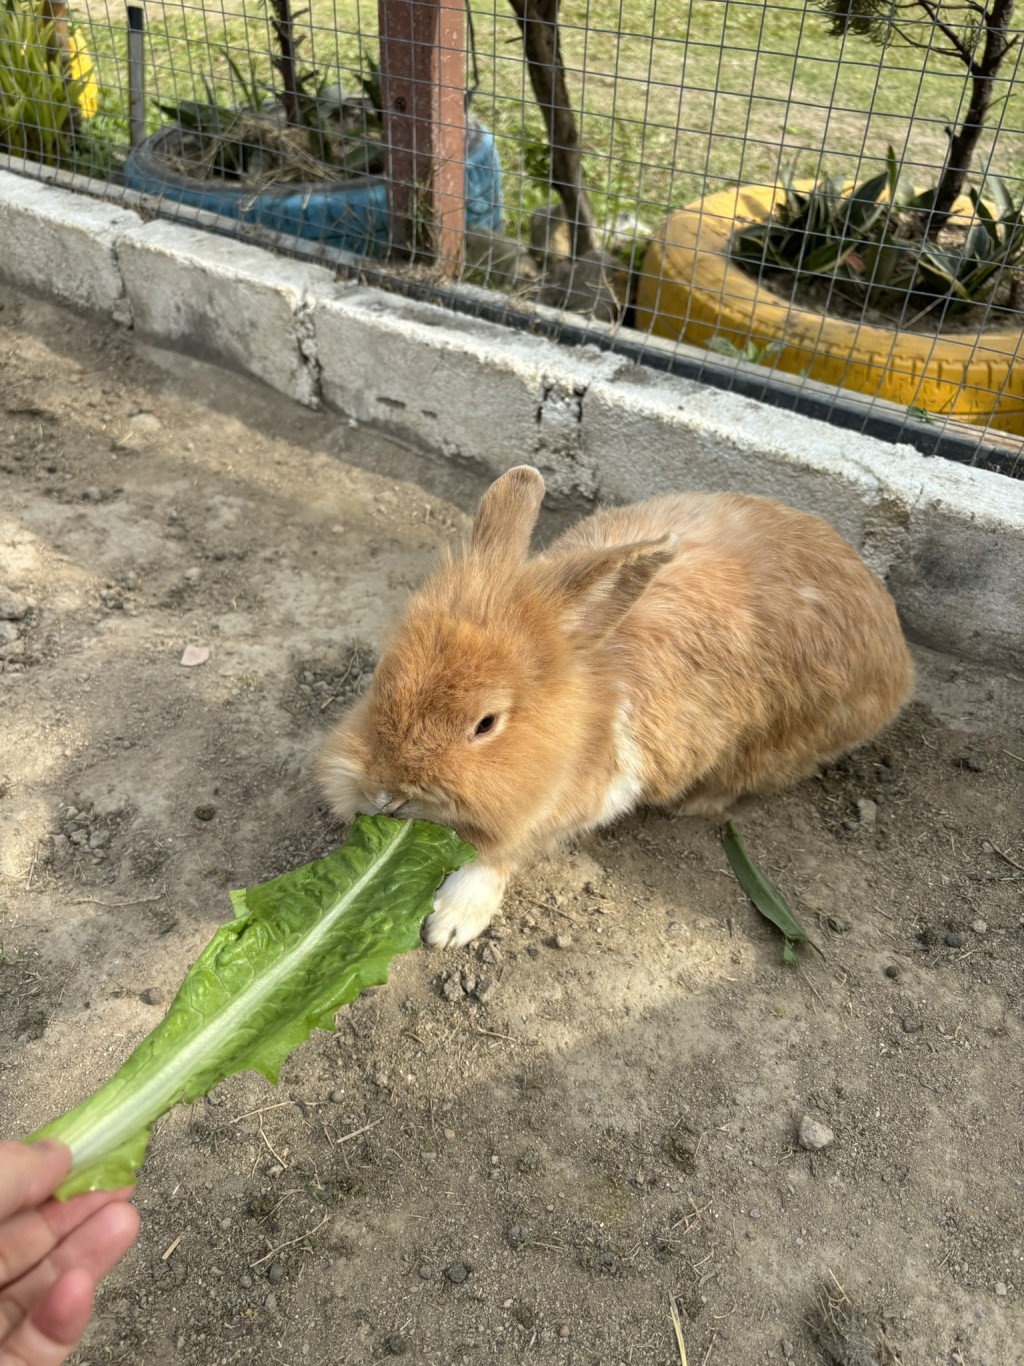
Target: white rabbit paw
<point>465,904</point>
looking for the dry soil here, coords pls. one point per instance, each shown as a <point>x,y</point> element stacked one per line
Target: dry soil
<point>531,1149</point>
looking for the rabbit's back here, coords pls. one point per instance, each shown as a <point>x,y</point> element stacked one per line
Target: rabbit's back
<point>763,648</point>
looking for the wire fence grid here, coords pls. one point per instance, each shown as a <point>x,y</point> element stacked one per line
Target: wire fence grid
<point>758,193</point>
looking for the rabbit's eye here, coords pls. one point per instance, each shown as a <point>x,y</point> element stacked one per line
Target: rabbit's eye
<point>485,724</point>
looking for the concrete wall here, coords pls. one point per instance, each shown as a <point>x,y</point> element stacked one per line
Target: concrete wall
<point>948,539</point>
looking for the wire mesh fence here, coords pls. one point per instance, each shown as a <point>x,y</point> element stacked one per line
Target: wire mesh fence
<point>818,203</point>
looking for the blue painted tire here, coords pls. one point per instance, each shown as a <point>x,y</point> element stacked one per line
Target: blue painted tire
<point>347,214</point>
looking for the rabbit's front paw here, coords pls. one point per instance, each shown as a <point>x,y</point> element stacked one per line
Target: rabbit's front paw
<point>465,904</point>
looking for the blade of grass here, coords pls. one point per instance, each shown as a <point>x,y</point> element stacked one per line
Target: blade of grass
<point>766,897</point>
<point>678,1327</point>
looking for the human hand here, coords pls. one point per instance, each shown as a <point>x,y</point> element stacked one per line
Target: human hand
<point>52,1254</point>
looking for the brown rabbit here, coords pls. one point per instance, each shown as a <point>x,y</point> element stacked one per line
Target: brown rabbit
<point>680,652</point>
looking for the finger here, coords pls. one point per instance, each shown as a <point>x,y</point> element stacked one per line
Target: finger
<point>53,1329</point>
<point>27,1238</point>
<point>65,1215</point>
<point>93,1247</point>
<point>30,1173</point>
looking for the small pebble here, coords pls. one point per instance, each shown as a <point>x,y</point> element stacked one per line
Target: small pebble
<point>337,1097</point>
<point>426,1274</point>
<point>1000,1288</point>
<point>974,763</point>
<point>954,940</point>
<point>451,989</point>
<point>193,575</point>
<point>448,1133</point>
<point>8,633</point>
<point>152,996</point>
<point>814,1135</point>
<point>756,1213</point>
<point>146,424</point>
<point>892,971</point>
<point>270,1302</point>
<point>911,1026</point>
<point>563,941</point>
<point>867,810</point>
<point>205,812</point>
<point>456,1272</point>
<point>979,926</point>
<point>245,1282</point>
<point>275,1273</point>
<point>563,1332</point>
<point>13,607</point>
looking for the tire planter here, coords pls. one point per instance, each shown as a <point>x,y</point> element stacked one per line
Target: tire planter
<point>689,290</point>
<point>347,214</point>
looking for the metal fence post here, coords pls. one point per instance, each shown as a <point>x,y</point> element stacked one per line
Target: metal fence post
<point>423,87</point>
<point>136,75</point>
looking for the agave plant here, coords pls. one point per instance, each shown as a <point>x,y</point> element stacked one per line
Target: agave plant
<point>872,244</point>
<point>994,244</point>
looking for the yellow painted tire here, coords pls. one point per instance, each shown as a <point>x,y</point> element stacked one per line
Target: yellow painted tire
<point>80,68</point>
<point>690,291</point>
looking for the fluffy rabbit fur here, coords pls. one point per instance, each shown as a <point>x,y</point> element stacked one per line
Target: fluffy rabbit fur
<point>681,652</point>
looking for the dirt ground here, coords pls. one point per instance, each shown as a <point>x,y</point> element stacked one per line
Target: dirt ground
<point>529,1149</point>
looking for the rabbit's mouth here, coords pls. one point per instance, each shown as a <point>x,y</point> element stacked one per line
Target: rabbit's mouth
<point>401,807</point>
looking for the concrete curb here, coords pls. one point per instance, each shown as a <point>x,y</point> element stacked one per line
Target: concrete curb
<point>948,539</point>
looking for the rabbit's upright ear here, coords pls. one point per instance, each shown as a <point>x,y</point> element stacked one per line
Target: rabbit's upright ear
<point>507,514</point>
<point>594,589</point>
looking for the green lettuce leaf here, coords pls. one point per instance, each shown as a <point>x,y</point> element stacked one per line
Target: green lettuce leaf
<point>299,947</point>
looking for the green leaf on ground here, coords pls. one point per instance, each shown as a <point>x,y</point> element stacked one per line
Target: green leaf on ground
<point>766,897</point>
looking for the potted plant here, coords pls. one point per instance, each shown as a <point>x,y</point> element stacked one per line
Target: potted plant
<point>304,159</point>
<point>908,294</point>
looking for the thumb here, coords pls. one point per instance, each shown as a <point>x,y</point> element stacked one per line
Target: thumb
<point>53,1328</point>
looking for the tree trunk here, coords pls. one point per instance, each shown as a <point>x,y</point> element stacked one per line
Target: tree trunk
<point>285,63</point>
<point>56,12</point>
<point>538,20</point>
<point>963,142</point>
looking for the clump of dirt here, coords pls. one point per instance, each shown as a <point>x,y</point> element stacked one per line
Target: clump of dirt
<point>533,1148</point>
<point>848,1335</point>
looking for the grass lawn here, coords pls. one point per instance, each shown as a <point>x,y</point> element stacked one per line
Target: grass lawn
<point>675,97</point>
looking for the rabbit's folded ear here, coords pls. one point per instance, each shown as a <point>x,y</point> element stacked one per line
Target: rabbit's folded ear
<point>507,515</point>
<point>594,589</point>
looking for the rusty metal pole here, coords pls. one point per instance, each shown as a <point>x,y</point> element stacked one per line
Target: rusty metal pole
<point>423,87</point>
